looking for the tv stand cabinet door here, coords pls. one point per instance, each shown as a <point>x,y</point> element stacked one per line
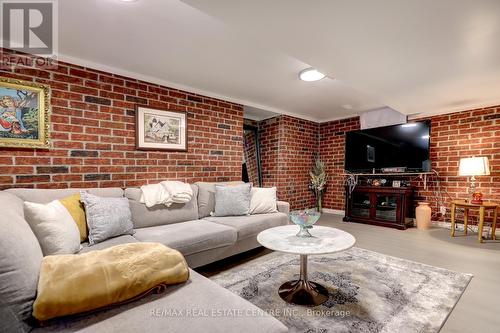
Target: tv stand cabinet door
<point>387,207</point>
<point>360,205</point>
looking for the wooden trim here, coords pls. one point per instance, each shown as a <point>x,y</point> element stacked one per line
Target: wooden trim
<point>255,130</point>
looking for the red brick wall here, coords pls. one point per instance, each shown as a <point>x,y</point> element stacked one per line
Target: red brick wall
<point>453,136</point>
<point>458,135</point>
<point>288,146</point>
<point>331,146</point>
<point>299,146</point>
<point>93,134</point>
<point>269,140</point>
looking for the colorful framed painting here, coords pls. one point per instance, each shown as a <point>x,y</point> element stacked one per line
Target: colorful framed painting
<point>24,114</point>
<point>160,129</point>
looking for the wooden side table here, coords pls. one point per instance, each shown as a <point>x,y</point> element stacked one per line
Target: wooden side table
<point>482,208</point>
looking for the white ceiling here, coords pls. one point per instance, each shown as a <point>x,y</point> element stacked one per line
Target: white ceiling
<point>420,56</point>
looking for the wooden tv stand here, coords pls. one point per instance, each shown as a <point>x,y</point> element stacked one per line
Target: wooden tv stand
<point>378,205</point>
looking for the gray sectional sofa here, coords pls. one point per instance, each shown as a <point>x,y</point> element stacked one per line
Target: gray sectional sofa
<point>191,307</point>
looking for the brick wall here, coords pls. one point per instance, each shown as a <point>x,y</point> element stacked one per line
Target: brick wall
<point>453,136</point>
<point>269,137</point>
<point>93,134</point>
<point>288,146</point>
<point>331,146</point>
<point>458,135</point>
<point>299,146</point>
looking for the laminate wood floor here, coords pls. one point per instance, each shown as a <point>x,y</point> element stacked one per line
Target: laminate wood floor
<point>479,308</point>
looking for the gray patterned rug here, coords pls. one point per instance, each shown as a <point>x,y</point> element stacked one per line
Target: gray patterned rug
<point>369,292</point>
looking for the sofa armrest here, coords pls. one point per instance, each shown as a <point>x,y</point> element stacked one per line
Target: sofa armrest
<point>283,206</point>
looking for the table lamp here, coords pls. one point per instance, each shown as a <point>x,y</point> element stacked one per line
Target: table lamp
<point>472,167</point>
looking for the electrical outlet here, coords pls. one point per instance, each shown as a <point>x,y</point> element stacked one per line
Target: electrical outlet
<point>442,210</point>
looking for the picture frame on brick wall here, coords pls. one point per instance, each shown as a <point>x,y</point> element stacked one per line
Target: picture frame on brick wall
<point>158,129</point>
<point>24,114</point>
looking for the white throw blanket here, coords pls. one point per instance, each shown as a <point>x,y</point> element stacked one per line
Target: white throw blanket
<point>179,192</point>
<point>166,193</point>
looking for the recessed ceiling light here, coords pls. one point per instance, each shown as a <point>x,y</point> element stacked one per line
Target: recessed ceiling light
<point>409,125</point>
<point>310,74</point>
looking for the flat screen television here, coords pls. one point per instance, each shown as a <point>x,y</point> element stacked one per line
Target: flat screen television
<point>404,146</point>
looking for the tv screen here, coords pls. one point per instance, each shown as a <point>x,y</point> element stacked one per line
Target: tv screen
<point>405,145</point>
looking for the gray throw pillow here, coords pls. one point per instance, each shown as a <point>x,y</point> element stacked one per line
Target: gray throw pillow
<point>106,217</point>
<point>232,200</point>
<point>206,196</point>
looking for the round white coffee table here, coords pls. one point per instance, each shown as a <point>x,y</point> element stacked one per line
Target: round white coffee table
<point>324,240</point>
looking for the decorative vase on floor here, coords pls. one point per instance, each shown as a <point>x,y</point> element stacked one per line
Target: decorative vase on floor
<point>423,216</point>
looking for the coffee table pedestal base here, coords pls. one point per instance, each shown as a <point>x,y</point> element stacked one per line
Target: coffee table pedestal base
<point>303,291</point>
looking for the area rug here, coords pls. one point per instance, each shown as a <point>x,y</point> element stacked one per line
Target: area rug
<point>368,292</point>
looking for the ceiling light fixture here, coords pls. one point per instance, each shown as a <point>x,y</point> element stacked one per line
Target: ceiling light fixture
<point>409,125</point>
<point>311,74</point>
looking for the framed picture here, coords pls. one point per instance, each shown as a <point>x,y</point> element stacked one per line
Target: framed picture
<point>396,183</point>
<point>160,129</point>
<point>24,114</point>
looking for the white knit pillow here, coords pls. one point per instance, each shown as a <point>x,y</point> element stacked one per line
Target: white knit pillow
<point>53,226</point>
<point>263,200</point>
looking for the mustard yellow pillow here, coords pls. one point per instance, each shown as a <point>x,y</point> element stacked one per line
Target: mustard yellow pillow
<point>104,277</point>
<point>77,212</point>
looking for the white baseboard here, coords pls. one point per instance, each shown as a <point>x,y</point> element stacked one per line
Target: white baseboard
<point>334,211</point>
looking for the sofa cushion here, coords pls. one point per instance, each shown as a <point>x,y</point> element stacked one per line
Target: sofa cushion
<point>48,195</point>
<point>53,226</point>
<point>20,259</point>
<point>263,200</point>
<point>206,197</point>
<point>124,239</point>
<point>250,225</point>
<point>232,200</point>
<point>283,207</point>
<point>143,216</point>
<point>189,237</point>
<point>180,308</point>
<point>77,212</point>
<point>107,217</point>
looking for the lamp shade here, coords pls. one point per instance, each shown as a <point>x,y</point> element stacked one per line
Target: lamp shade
<point>474,166</point>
